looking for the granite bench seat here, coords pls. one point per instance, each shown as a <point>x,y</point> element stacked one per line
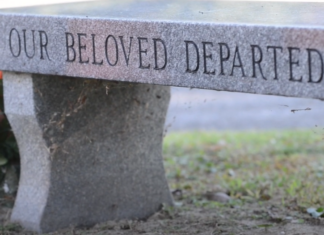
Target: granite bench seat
<point>86,88</point>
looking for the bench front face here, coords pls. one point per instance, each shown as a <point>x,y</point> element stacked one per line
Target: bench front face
<point>254,47</point>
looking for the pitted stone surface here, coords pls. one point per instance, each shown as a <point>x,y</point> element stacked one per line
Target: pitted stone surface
<point>256,47</point>
<point>90,149</point>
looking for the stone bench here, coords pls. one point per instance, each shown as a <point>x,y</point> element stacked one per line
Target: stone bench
<point>87,89</point>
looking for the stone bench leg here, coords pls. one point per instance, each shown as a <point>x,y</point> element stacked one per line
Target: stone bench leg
<point>90,150</point>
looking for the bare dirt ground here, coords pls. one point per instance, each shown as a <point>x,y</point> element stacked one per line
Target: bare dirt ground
<point>247,220</point>
<point>251,218</point>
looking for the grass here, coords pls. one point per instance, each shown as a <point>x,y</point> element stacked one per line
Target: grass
<point>282,165</point>
<point>272,177</point>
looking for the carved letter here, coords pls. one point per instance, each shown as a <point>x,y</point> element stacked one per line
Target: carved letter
<point>129,50</point>
<point>69,47</point>
<point>223,58</point>
<point>209,56</point>
<point>156,67</point>
<point>94,51</point>
<point>43,45</point>
<point>309,51</point>
<point>82,47</point>
<point>142,52</point>
<point>291,63</point>
<point>10,42</point>
<point>237,54</point>
<point>274,59</point>
<point>254,61</point>
<point>25,42</point>
<point>116,49</point>
<point>187,57</point>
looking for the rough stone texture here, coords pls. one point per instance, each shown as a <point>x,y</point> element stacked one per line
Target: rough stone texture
<point>90,149</point>
<point>237,43</point>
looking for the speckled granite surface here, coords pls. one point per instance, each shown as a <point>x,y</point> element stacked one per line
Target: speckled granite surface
<point>91,150</point>
<point>266,48</point>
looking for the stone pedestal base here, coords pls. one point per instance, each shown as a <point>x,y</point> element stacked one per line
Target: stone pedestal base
<point>90,150</point>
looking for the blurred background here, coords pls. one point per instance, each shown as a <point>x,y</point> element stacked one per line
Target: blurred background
<point>196,109</point>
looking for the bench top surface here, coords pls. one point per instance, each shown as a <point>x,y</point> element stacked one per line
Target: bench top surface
<point>265,13</point>
<point>254,47</point>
